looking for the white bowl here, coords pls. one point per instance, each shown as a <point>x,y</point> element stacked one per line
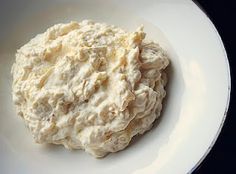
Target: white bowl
<point>196,103</point>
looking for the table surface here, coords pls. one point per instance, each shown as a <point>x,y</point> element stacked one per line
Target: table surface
<point>222,157</point>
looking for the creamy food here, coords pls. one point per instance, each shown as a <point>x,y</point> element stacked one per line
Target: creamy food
<point>89,86</point>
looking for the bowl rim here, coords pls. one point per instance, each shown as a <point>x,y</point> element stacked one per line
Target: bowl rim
<point>228,87</point>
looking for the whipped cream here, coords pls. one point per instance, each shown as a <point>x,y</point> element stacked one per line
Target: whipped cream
<point>89,86</point>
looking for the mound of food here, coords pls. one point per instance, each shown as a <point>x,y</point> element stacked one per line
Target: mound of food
<point>89,86</point>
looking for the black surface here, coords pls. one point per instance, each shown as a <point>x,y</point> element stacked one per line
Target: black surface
<point>222,158</point>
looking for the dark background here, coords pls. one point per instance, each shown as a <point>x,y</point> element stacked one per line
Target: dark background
<point>222,158</point>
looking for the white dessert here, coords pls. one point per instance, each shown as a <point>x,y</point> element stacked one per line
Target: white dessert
<point>89,86</point>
